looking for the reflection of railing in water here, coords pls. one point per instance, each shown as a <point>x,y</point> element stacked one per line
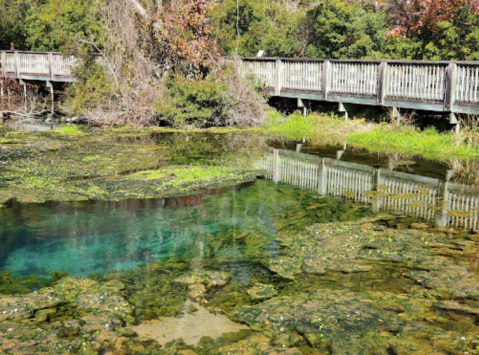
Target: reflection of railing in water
<point>32,126</point>
<point>444,202</point>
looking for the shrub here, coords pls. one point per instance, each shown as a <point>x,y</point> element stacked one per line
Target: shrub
<point>93,88</point>
<point>219,99</point>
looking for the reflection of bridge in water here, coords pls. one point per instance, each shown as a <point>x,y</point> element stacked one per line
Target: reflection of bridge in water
<point>446,203</point>
<point>32,126</point>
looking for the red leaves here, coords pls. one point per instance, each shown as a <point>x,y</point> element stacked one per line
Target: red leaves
<point>184,32</point>
<point>424,15</point>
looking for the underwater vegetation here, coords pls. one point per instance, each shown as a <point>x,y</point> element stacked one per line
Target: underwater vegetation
<point>76,165</point>
<point>299,273</point>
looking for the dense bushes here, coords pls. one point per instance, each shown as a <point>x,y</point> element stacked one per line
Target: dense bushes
<point>220,98</point>
<point>399,29</point>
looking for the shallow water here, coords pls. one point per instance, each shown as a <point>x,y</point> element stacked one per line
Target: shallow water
<point>103,237</point>
<point>291,265</point>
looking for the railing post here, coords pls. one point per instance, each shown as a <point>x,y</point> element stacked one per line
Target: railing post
<point>382,82</point>
<point>376,205</point>
<point>451,83</point>
<point>322,178</point>
<point>441,218</point>
<point>275,166</point>
<point>17,64</point>
<point>50,66</point>
<point>325,82</point>
<point>277,78</point>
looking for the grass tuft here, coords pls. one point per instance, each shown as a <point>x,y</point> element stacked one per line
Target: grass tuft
<point>69,130</point>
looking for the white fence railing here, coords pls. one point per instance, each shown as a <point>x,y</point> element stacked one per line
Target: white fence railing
<point>354,78</point>
<point>468,84</point>
<point>36,65</point>
<point>436,86</point>
<point>445,203</point>
<point>416,82</point>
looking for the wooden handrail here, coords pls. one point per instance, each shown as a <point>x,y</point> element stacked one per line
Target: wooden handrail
<point>43,66</point>
<point>444,86</point>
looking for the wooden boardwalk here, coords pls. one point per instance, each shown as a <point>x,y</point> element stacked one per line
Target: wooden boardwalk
<point>446,203</point>
<point>41,66</point>
<point>447,87</point>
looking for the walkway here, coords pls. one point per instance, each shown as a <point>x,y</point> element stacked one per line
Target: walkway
<point>448,87</point>
<point>38,66</point>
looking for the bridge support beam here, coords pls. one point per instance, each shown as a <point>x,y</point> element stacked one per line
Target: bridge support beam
<point>49,85</point>
<point>302,103</point>
<point>21,82</point>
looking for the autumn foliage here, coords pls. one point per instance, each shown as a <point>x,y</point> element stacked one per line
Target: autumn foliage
<point>184,33</point>
<point>419,16</point>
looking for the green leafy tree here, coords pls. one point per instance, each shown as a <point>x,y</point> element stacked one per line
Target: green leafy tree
<point>248,26</point>
<point>444,29</point>
<point>63,25</point>
<point>13,21</point>
<point>338,29</point>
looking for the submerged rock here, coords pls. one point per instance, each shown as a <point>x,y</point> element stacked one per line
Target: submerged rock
<point>74,314</point>
<point>359,247</point>
<point>261,292</point>
<point>203,281</point>
<point>191,327</point>
<point>341,322</point>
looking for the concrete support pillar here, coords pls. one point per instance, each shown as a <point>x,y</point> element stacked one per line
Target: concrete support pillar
<point>454,121</point>
<point>397,115</point>
<point>303,104</point>
<point>21,82</point>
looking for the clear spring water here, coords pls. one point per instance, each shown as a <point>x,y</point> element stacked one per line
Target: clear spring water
<point>105,237</point>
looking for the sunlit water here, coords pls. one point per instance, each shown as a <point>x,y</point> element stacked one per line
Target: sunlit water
<point>237,230</point>
<point>104,237</point>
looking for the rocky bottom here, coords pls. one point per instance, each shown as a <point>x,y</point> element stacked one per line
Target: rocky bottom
<point>362,287</point>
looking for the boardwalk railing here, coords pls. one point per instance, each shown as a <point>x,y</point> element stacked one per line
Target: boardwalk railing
<point>442,202</point>
<point>451,87</point>
<point>40,66</point>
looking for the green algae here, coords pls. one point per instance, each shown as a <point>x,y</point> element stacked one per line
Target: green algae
<point>112,164</point>
<point>343,287</point>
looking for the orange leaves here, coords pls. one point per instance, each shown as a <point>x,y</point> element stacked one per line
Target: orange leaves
<point>185,32</point>
<point>426,15</point>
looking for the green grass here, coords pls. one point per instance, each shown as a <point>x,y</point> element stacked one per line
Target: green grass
<point>409,140</point>
<point>313,127</point>
<point>321,128</point>
<point>67,130</point>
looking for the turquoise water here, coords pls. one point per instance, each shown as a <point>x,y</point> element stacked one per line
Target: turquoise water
<point>82,238</point>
